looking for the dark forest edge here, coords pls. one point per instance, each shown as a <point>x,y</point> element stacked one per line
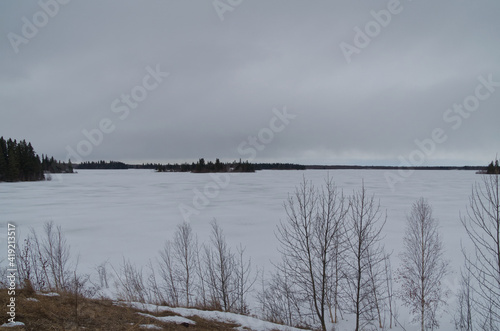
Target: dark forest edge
<point>19,162</point>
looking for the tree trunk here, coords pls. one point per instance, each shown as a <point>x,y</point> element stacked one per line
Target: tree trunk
<point>358,292</point>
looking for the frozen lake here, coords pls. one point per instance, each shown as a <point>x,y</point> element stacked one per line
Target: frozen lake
<point>110,214</point>
<point>107,214</point>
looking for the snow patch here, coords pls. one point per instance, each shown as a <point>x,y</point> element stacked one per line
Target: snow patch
<point>150,326</point>
<point>231,318</point>
<point>51,294</point>
<point>11,325</point>
<point>170,319</point>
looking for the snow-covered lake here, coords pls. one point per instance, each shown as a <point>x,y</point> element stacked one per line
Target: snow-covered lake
<point>107,215</point>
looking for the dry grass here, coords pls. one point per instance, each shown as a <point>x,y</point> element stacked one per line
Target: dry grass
<point>64,312</point>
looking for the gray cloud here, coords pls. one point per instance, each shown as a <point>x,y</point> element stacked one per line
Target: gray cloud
<point>227,76</point>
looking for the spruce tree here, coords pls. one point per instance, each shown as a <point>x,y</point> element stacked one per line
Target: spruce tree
<point>12,161</point>
<point>3,158</point>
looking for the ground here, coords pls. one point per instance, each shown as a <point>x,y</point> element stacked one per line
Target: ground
<point>66,312</point>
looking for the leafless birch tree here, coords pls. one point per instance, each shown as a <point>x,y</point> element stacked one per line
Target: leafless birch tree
<point>465,298</point>
<point>307,238</point>
<point>390,290</point>
<point>365,256</point>
<point>168,269</point>
<point>177,267</point>
<point>227,277</point>
<point>221,265</point>
<point>482,223</point>
<point>185,251</point>
<point>423,266</point>
<point>243,280</point>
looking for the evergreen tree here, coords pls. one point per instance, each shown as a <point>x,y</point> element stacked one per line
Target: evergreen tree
<point>12,161</point>
<point>218,165</point>
<point>493,168</point>
<point>3,159</point>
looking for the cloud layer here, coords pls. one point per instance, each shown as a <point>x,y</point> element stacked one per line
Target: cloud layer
<point>226,77</point>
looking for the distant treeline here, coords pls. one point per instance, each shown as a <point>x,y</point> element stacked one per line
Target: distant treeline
<point>201,166</point>
<point>19,162</point>
<point>279,166</point>
<point>102,165</point>
<point>358,167</point>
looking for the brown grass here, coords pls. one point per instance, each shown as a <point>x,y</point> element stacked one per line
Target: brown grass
<point>64,312</point>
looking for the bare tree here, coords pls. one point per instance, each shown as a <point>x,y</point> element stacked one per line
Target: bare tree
<point>185,253</point>
<point>44,262</point>
<point>336,298</point>
<point>390,290</point>
<point>308,242</point>
<point>155,293</point>
<point>465,299</point>
<point>31,264</point>
<point>482,223</point>
<point>227,279</point>
<point>130,282</point>
<point>365,256</point>
<point>57,253</point>
<point>203,280</point>
<point>178,267</point>
<point>210,279</point>
<point>423,266</point>
<point>377,277</point>
<point>243,280</point>
<point>224,267</point>
<point>103,274</point>
<point>279,301</point>
<point>168,275</point>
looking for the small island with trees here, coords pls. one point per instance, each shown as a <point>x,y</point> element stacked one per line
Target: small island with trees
<point>101,165</point>
<point>203,166</point>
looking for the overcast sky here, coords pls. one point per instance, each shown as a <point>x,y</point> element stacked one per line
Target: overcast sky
<point>344,97</point>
